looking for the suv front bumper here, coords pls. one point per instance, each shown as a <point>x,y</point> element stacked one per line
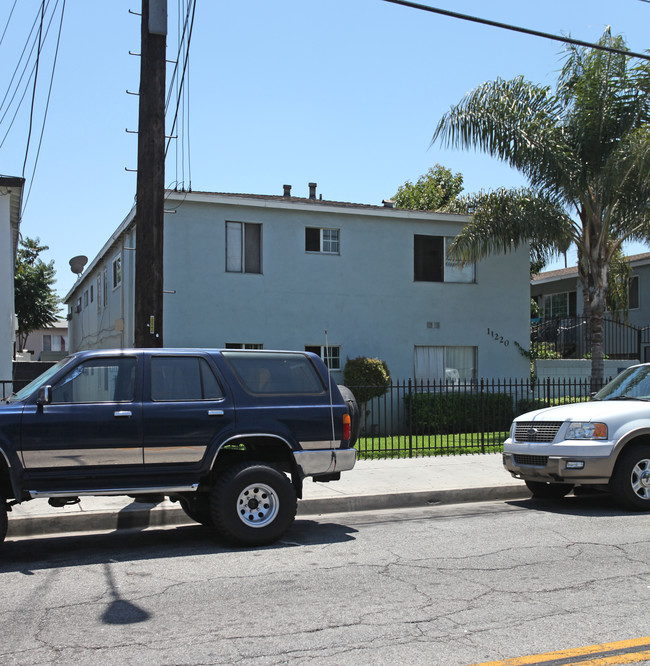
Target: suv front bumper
<point>555,468</point>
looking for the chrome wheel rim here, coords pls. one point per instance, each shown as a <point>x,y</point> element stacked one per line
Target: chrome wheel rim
<point>257,505</point>
<point>641,479</point>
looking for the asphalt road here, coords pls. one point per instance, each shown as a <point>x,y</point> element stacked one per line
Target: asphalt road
<point>445,585</point>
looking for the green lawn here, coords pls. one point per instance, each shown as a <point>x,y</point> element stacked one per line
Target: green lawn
<point>405,446</point>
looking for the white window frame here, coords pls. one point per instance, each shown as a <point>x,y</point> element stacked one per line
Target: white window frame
<point>116,265</point>
<point>331,355</point>
<point>325,239</point>
<point>437,358</point>
<point>105,287</point>
<point>236,259</point>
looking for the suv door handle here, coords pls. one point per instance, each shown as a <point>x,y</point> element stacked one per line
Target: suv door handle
<point>122,415</point>
<point>215,412</point>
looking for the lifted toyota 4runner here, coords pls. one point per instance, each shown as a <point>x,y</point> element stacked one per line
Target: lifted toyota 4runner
<point>601,443</point>
<point>228,434</point>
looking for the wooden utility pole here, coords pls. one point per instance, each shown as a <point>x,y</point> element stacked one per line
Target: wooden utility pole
<point>150,193</point>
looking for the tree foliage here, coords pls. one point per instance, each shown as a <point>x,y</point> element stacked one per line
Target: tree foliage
<point>36,302</point>
<point>368,377</point>
<point>585,149</point>
<point>432,191</point>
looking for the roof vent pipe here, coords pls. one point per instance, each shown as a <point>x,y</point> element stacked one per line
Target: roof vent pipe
<point>287,190</point>
<point>312,190</point>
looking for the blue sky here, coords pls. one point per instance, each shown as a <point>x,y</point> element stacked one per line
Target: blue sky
<point>345,93</point>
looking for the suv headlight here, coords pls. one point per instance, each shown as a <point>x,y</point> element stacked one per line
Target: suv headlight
<point>586,431</point>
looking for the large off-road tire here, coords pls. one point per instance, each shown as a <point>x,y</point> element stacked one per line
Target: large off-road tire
<point>544,490</point>
<point>253,503</point>
<point>630,482</point>
<point>3,520</point>
<point>197,507</point>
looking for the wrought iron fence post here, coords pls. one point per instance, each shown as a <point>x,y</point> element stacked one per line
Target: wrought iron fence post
<point>410,418</point>
<point>482,418</point>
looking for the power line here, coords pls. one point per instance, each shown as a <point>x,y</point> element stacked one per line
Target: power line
<point>526,31</point>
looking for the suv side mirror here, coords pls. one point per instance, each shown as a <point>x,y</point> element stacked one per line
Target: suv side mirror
<point>44,395</point>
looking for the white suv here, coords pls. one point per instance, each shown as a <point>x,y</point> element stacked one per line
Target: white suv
<point>603,442</point>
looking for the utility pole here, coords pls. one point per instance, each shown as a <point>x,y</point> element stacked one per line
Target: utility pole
<point>150,192</point>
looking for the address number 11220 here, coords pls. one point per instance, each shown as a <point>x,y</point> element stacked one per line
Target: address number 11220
<point>499,338</point>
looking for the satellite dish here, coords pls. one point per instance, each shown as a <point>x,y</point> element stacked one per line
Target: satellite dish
<point>77,264</point>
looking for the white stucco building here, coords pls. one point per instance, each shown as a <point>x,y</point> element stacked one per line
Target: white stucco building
<point>11,192</point>
<point>277,272</point>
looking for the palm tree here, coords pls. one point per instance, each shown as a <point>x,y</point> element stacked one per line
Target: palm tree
<point>585,150</point>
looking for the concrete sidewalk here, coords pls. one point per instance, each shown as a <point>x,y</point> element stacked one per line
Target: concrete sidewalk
<point>371,485</point>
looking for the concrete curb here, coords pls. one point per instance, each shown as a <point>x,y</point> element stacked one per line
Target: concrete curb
<point>142,516</point>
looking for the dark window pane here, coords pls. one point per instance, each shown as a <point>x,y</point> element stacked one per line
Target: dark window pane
<point>312,239</point>
<point>429,258</point>
<point>572,304</point>
<point>253,248</point>
<point>98,380</point>
<point>633,298</point>
<point>211,388</point>
<point>175,378</point>
<point>274,373</point>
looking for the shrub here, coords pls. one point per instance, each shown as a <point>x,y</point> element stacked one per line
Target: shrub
<point>447,413</point>
<point>367,377</point>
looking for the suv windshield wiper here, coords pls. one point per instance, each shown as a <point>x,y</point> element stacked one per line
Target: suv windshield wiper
<point>628,397</point>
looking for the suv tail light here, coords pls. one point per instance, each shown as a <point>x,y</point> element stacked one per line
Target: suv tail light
<point>347,427</point>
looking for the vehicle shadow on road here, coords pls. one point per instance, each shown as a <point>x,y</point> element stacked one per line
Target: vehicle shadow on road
<point>588,504</point>
<point>26,555</point>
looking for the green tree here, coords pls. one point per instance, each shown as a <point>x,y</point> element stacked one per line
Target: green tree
<point>585,149</point>
<point>36,302</point>
<point>433,191</point>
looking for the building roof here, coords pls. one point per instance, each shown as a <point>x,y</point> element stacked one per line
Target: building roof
<point>14,187</point>
<point>572,271</point>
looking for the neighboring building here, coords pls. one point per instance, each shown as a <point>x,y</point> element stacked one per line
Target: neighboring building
<point>11,192</point>
<point>284,272</point>
<point>48,344</point>
<point>558,293</point>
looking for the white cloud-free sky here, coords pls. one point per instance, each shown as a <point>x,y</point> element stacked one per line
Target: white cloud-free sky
<point>345,93</point>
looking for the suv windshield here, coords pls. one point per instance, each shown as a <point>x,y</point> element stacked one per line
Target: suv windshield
<point>41,380</point>
<point>631,384</point>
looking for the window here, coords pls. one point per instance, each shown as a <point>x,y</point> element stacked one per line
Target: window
<point>633,293</point>
<point>175,378</point>
<point>105,285</point>
<point>243,247</point>
<point>559,305</point>
<point>243,345</point>
<point>325,241</point>
<point>117,271</point>
<point>47,343</point>
<point>432,264</point>
<point>331,355</point>
<point>98,380</point>
<point>274,373</point>
<point>92,293</point>
<point>452,364</point>
<point>86,298</point>
<point>99,293</point>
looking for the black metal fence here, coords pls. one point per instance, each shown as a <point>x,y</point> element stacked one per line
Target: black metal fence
<point>441,418</point>
<point>570,337</point>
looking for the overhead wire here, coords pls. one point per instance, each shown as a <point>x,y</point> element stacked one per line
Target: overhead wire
<point>31,110</point>
<point>47,106</point>
<point>526,31</point>
<point>4,32</point>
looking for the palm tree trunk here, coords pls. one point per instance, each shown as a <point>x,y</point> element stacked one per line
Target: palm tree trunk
<point>597,292</point>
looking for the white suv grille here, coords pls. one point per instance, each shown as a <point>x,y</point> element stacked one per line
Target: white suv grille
<point>536,431</point>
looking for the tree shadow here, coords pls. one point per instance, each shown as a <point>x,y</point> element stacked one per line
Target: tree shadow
<point>587,503</point>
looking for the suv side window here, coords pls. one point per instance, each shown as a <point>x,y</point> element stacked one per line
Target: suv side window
<point>98,380</point>
<point>176,378</point>
<point>275,373</point>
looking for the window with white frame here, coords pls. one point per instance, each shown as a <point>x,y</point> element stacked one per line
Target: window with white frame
<point>99,293</point>
<point>451,364</point>
<point>432,261</point>
<point>105,287</point>
<point>331,354</point>
<point>86,298</point>
<point>324,241</point>
<point>117,271</point>
<point>562,304</point>
<point>243,247</point>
